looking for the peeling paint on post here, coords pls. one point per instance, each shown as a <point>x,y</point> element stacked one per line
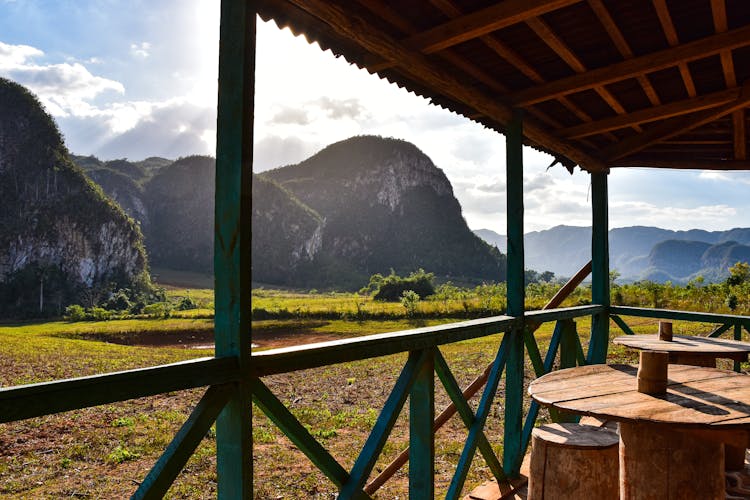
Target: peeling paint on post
<point>234,149</point>
<point>515,297</point>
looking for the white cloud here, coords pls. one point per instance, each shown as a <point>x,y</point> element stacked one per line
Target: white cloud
<point>13,55</point>
<point>142,50</point>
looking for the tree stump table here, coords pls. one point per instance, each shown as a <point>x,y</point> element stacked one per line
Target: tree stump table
<point>671,446</point>
<point>573,461</point>
<point>697,351</point>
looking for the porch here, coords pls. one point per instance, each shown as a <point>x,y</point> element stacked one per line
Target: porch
<point>597,85</point>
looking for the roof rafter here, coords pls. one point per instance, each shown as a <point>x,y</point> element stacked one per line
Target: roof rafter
<point>481,22</point>
<point>641,65</point>
<point>667,130</point>
<point>662,11</point>
<point>418,67</point>
<point>610,26</point>
<point>548,36</point>
<point>658,162</point>
<point>740,135</point>
<point>651,114</point>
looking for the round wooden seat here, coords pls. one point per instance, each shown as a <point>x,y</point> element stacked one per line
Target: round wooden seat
<point>573,461</point>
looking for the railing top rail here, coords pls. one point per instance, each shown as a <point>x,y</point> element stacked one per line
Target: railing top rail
<point>680,315</point>
<point>302,357</point>
<point>45,398</point>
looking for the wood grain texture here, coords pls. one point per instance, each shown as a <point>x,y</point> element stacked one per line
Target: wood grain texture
<point>573,461</point>
<point>695,397</point>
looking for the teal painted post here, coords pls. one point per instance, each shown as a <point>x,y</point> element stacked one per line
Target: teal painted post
<point>599,268</point>
<point>515,296</point>
<point>737,336</point>
<point>421,436</point>
<point>234,150</point>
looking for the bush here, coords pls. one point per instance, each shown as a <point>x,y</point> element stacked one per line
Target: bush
<point>158,310</point>
<point>392,287</point>
<point>75,312</point>
<point>410,301</point>
<point>186,303</point>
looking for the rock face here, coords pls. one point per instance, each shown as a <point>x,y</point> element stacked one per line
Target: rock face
<point>61,239</point>
<point>179,227</point>
<point>385,205</point>
<point>287,236</point>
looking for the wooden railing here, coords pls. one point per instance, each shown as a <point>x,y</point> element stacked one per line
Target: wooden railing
<point>415,382</point>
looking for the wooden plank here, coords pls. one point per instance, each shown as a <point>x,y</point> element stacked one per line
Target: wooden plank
<point>514,216</point>
<point>421,436</point>
<point>685,343</point>
<point>719,13</point>
<point>467,415</point>
<point>297,433</point>
<point>700,317</point>
<point>610,26</point>
<point>623,326</point>
<point>740,135</point>
<point>234,156</point>
<point>288,359</point>
<point>481,22</point>
<point>165,471</point>
<point>477,428</point>
<point>738,337</point>
<point>660,162</point>
<point>651,114</point>
<point>667,130</point>
<point>419,68</point>
<point>383,426</point>
<point>631,68</point>
<point>719,330</point>
<point>665,19</point>
<point>46,398</point>
<point>545,315</point>
<point>599,268</point>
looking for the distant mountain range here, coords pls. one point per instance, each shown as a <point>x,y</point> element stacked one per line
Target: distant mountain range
<point>637,252</point>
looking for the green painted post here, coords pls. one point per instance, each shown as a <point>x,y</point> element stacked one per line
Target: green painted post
<point>234,151</point>
<point>515,296</point>
<point>421,436</point>
<point>737,336</point>
<point>599,268</point>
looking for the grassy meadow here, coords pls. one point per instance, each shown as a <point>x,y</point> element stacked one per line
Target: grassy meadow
<point>104,452</point>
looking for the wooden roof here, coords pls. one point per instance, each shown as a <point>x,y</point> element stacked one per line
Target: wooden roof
<point>603,83</point>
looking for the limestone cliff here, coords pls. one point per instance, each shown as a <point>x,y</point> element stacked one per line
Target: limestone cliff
<point>61,239</point>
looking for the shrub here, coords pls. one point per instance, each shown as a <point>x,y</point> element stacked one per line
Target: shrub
<point>410,301</point>
<point>158,310</point>
<point>392,287</point>
<point>186,303</point>
<point>75,312</point>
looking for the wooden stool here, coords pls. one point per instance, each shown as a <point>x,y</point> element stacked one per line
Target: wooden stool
<point>573,461</point>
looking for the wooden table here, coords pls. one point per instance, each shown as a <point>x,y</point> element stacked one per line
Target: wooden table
<point>687,350</point>
<point>671,446</point>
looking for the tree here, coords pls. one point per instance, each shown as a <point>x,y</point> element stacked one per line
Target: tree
<point>738,274</point>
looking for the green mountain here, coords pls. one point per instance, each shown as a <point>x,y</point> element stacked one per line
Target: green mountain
<point>62,240</point>
<point>179,223</point>
<point>385,205</point>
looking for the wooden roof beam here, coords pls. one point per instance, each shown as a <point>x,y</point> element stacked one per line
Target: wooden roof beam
<point>719,12</point>
<point>420,69</point>
<point>610,26</point>
<point>658,162</point>
<point>662,11</point>
<point>451,10</point>
<point>549,37</point>
<point>740,135</point>
<point>667,130</point>
<point>641,65</point>
<point>481,22</point>
<point>651,114</point>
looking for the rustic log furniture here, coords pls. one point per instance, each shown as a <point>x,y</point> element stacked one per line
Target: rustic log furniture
<point>573,461</point>
<point>689,350</point>
<point>670,446</point>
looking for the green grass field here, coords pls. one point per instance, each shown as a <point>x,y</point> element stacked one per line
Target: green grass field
<point>104,452</point>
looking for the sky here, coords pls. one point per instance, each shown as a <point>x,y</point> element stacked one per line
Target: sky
<point>133,79</point>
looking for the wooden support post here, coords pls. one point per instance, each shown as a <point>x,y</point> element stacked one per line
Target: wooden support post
<point>737,336</point>
<point>234,150</point>
<point>599,269</point>
<point>421,436</point>
<point>515,297</point>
